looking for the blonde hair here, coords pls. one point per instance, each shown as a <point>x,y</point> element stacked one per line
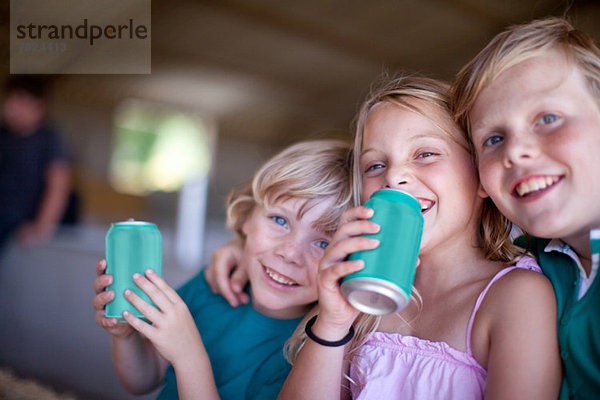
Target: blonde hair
<point>311,170</point>
<point>517,44</point>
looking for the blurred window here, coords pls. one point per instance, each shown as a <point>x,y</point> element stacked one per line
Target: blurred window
<point>157,149</point>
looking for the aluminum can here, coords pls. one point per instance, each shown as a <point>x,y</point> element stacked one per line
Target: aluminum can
<point>131,246</point>
<point>384,285</point>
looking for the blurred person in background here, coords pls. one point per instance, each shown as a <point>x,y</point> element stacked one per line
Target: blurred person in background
<point>35,171</point>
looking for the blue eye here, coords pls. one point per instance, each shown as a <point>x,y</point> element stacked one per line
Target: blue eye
<point>547,119</point>
<point>492,140</point>
<point>374,167</point>
<point>323,244</point>
<point>279,220</point>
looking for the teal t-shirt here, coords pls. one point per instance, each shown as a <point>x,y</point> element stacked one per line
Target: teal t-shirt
<point>578,322</point>
<point>245,347</point>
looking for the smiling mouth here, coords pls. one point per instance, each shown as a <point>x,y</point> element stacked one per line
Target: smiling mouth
<point>535,185</point>
<point>426,205</point>
<point>281,279</point>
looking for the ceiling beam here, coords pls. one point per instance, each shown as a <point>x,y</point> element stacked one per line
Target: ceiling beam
<point>286,25</point>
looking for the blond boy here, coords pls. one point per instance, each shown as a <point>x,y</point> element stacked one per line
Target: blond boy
<point>530,102</point>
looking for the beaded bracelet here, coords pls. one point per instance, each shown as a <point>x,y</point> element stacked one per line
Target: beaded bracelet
<point>341,342</point>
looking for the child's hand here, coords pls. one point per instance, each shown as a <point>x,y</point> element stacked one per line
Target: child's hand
<point>333,307</point>
<point>219,274</point>
<point>173,331</point>
<point>104,296</point>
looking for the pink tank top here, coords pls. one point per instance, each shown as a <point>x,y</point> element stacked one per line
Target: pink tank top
<point>392,366</point>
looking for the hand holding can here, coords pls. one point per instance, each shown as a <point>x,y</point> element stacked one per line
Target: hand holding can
<point>384,285</point>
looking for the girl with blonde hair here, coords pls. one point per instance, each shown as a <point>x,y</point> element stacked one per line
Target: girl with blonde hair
<point>484,322</point>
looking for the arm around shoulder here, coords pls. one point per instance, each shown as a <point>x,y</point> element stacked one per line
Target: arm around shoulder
<point>523,359</point>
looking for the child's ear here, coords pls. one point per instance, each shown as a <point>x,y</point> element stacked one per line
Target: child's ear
<point>482,193</point>
<point>244,227</point>
<point>247,222</point>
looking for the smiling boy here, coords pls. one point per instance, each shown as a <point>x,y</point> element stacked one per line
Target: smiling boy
<point>530,101</point>
<point>200,346</point>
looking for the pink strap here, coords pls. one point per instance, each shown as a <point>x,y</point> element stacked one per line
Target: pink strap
<point>523,263</point>
<point>499,275</point>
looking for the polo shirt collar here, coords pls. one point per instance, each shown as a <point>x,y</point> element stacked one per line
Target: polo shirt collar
<point>585,281</point>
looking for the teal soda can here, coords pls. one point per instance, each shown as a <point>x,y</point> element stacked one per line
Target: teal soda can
<point>131,246</point>
<point>384,285</point>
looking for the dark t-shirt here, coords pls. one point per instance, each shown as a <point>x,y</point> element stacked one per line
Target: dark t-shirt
<point>23,165</point>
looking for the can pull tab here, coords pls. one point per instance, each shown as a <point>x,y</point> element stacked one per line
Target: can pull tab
<point>130,219</point>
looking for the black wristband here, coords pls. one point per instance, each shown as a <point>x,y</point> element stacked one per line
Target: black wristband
<point>312,336</point>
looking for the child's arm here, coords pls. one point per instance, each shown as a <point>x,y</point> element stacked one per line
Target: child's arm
<point>175,336</point>
<point>138,366</point>
<point>318,371</point>
<point>225,276</point>
<point>523,361</point>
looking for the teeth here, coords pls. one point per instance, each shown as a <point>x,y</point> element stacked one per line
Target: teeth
<point>425,204</point>
<point>279,278</point>
<point>535,184</point>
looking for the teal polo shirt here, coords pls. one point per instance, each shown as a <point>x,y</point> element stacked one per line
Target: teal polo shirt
<point>245,347</point>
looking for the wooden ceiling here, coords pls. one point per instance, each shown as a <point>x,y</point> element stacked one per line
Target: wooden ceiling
<point>277,70</point>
